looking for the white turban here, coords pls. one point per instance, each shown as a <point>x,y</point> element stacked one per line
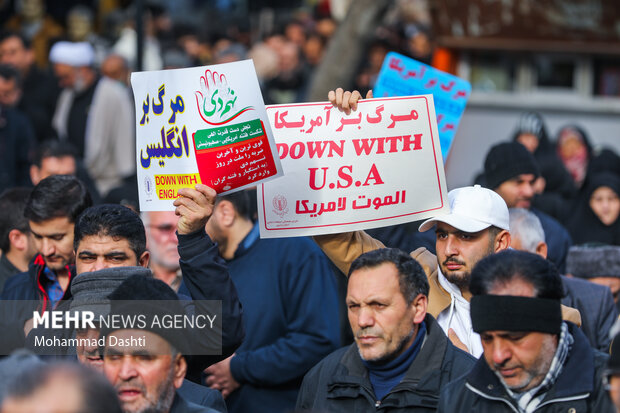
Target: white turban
<point>72,54</point>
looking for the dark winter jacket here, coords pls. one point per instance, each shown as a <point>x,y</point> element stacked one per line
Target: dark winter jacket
<point>557,237</point>
<point>207,278</point>
<point>596,306</point>
<point>340,382</point>
<point>23,294</point>
<point>578,388</point>
<point>180,405</point>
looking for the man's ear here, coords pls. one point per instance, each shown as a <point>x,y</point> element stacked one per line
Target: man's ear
<point>226,213</point>
<point>419,304</point>
<point>18,240</point>
<point>35,175</point>
<point>180,368</point>
<point>143,261</point>
<point>541,249</point>
<point>502,240</point>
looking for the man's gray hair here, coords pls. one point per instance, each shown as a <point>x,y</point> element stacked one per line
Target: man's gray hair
<point>526,226</point>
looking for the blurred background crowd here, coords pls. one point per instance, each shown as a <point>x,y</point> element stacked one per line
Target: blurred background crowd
<point>58,119</point>
<point>67,105</point>
<point>545,77</point>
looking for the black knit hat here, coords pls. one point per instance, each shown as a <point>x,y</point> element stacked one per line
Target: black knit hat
<point>145,296</point>
<point>506,161</point>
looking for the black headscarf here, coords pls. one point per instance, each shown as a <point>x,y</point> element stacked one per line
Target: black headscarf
<point>584,226</point>
<point>606,160</point>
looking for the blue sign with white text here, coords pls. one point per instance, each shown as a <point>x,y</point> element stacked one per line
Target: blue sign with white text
<point>403,76</point>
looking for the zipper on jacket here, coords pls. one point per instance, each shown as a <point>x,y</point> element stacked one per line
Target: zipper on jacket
<point>486,396</point>
<point>564,399</point>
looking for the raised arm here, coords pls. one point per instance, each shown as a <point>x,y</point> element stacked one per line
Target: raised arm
<point>205,273</point>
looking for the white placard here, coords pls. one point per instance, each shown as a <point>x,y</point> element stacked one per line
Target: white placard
<point>200,125</point>
<point>380,165</point>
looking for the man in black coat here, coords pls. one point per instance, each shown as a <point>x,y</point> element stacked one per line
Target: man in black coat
<point>51,210</point>
<point>594,302</point>
<point>401,358</point>
<point>145,362</point>
<point>108,236</point>
<point>533,361</point>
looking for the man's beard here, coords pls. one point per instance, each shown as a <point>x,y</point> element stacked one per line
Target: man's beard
<point>166,392</point>
<point>166,396</point>
<point>460,280</point>
<point>536,373</point>
<point>79,84</point>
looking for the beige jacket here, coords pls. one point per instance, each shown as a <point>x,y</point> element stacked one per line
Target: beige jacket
<point>343,248</point>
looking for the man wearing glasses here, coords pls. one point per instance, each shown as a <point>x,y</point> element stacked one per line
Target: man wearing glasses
<point>162,243</point>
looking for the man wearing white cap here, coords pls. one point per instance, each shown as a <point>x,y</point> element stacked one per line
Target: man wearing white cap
<point>94,114</point>
<point>477,226</point>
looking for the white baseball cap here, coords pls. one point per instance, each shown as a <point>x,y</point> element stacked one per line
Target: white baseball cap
<point>473,208</point>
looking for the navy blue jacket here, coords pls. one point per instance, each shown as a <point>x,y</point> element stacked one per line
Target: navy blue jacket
<point>206,276</point>
<point>14,312</point>
<point>291,316</point>
<point>578,388</point>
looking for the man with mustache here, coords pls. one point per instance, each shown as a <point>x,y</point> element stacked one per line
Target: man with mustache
<point>533,361</point>
<point>108,236</point>
<point>594,302</point>
<point>401,358</point>
<point>110,246</point>
<point>512,172</point>
<point>90,293</point>
<point>477,226</point>
<point>51,210</point>
<point>148,373</point>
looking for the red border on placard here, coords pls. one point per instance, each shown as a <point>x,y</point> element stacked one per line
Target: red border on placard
<point>376,219</point>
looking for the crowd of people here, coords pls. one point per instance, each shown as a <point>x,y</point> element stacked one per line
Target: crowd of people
<point>508,302</point>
